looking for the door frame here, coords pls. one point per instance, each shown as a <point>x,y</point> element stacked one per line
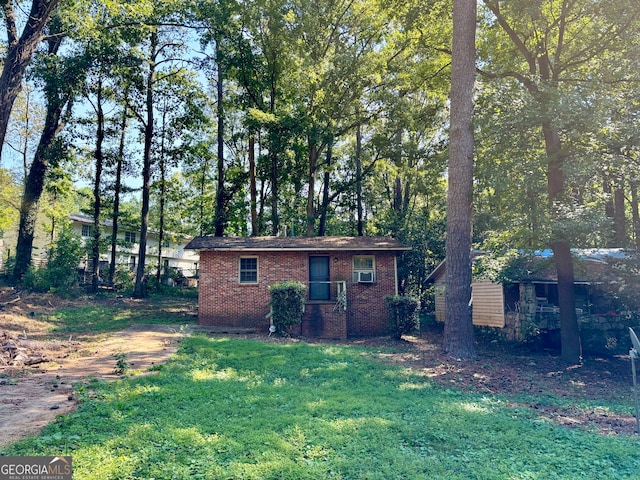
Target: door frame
<point>320,289</point>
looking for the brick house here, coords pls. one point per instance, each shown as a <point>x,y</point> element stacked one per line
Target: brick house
<point>347,280</point>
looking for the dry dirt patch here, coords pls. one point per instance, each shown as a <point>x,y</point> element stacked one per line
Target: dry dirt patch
<point>29,402</point>
<point>38,370</point>
<point>31,398</point>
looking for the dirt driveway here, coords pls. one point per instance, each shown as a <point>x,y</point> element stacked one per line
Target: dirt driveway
<point>31,401</point>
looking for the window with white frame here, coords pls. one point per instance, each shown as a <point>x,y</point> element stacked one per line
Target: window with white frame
<point>130,237</point>
<point>87,230</point>
<point>248,269</point>
<point>364,268</point>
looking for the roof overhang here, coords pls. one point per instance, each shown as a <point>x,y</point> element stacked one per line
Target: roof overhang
<point>296,244</point>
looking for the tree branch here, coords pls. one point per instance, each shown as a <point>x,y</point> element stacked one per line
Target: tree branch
<point>10,21</point>
<point>494,6</point>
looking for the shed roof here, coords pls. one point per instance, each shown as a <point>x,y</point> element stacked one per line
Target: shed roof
<point>590,265</point>
<point>248,244</point>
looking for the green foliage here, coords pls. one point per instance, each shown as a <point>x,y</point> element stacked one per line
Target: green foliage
<point>404,316</point>
<point>512,265</point>
<point>619,283</point>
<point>60,273</point>
<point>287,305</point>
<point>157,289</point>
<point>228,408</point>
<point>92,320</point>
<point>122,365</point>
<point>9,197</point>
<point>124,279</point>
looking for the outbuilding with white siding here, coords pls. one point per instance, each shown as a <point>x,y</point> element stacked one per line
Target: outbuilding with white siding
<point>527,304</point>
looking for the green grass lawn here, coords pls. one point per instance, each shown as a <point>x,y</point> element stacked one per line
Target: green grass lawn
<point>243,409</point>
<point>112,315</point>
<point>97,319</point>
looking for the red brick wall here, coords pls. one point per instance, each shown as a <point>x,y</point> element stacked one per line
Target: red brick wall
<point>367,312</point>
<point>224,301</point>
<point>321,320</point>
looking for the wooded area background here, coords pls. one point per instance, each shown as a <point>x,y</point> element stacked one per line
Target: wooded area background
<point>324,117</point>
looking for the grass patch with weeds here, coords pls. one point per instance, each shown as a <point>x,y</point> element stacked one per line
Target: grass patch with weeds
<point>244,409</point>
<point>99,319</point>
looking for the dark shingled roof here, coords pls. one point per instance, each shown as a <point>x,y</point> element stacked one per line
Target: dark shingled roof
<point>296,243</point>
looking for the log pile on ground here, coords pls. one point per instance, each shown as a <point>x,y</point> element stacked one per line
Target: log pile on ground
<point>20,352</point>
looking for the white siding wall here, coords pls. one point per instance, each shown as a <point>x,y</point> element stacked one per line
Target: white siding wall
<point>185,260</point>
<point>440,307</point>
<point>488,303</point>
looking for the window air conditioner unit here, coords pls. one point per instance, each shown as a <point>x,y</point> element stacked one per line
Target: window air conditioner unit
<point>365,277</point>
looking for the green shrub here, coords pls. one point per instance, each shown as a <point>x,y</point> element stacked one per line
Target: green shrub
<point>60,274</point>
<point>403,315</point>
<point>287,305</point>
<point>35,281</point>
<point>124,279</point>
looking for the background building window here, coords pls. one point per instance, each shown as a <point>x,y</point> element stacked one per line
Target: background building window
<point>130,237</point>
<point>87,230</point>
<point>249,270</point>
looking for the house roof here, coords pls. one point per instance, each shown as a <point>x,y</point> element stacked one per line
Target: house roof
<point>248,244</point>
<point>442,266</point>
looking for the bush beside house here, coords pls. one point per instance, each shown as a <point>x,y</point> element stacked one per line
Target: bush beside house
<point>403,315</point>
<point>287,305</point>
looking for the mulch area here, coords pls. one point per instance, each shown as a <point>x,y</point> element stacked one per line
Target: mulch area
<point>515,371</point>
<point>518,373</point>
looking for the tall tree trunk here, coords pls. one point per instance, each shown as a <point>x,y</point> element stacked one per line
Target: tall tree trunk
<point>203,189</point>
<point>359,213</point>
<point>99,161</point>
<point>20,50</point>
<point>619,218</point>
<point>273,177</point>
<point>635,214</point>
<point>221,197</point>
<point>324,207</point>
<point>273,156</point>
<point>609,208</point>
<point>25,149</point>
<point>397,196</point>
<point>569,331</point>
<point>52,230</point>
<point>311,194</point>
<point>116,196</point>
<point>57,100</point>
<point>532,198</point>
<point>138,291</point>
<point>253,191</point>
<point>458,331</point>
<point>163,193</point>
